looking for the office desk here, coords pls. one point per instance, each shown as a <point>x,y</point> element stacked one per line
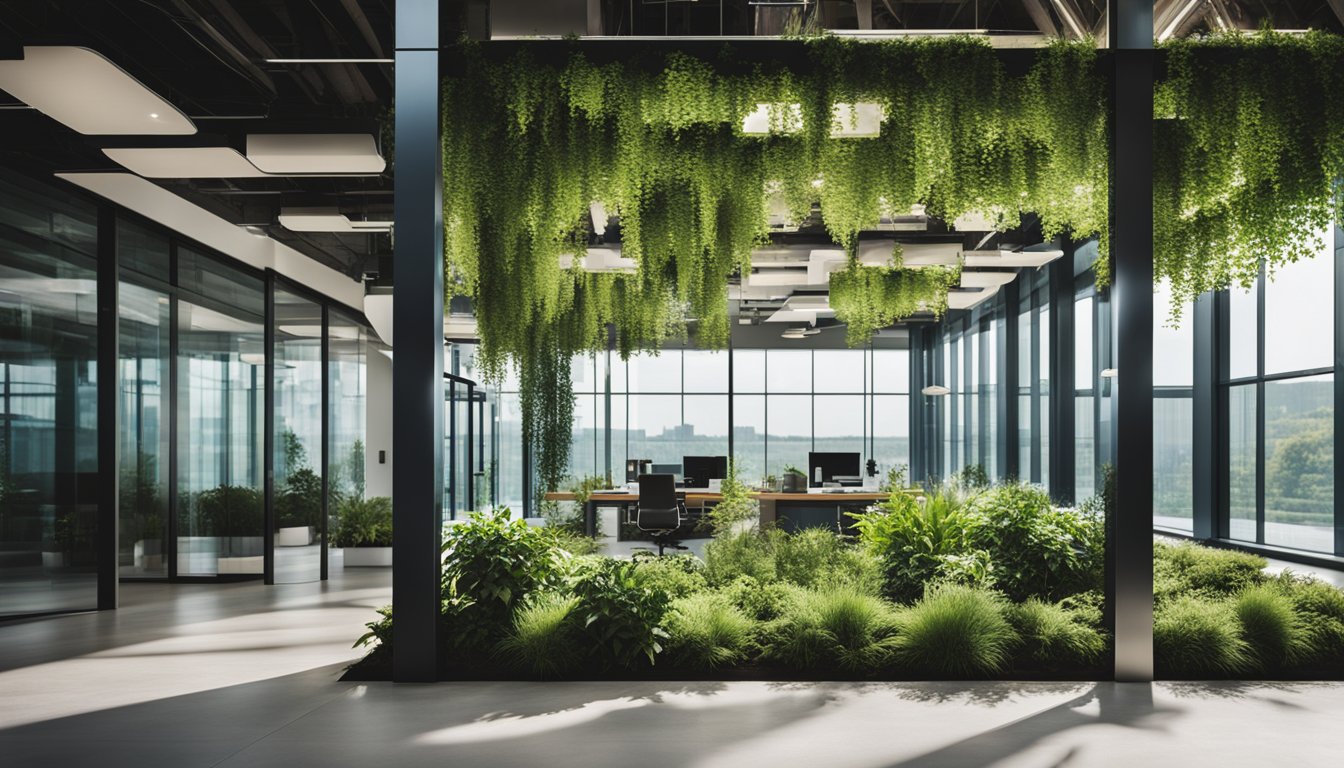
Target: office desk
<point>790,511</point>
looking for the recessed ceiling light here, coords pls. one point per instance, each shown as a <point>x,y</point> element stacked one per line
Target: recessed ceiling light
<point>85,91</point>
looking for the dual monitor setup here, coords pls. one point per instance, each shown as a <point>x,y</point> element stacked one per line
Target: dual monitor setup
<point>824,469</point>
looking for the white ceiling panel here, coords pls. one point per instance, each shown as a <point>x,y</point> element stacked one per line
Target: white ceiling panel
<point>184,162</point>
<point>296,154</point>
<point>85,91</point>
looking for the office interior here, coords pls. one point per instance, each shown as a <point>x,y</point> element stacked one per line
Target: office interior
<point>199,274</point>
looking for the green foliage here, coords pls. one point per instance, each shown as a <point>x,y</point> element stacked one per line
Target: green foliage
<point>379,637</point>
<point>1246,156</point>
<point>706,631</point>
<point>955,631</point>
<point>228,510</point>
<point>1054,636</point>
<point>1038,550</point>
<point>620,615</point>
<point>1188,569</point>
<point>867,298</point>
<point>895,479</point>
<point>737,505</point>
<point>677,575</point>
<point>364,523</point>
<point>836,627</point>
<point>748,553</point>
<point>1198,636</point>
<point>763,601</point>
<point>1271,628</point>
<point>921,542</point>
<point>544,639</point>
<point>491,564</point>
<point>1321,609</point>
<point>528,145</point>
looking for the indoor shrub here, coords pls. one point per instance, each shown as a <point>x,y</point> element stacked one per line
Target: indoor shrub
<point>491,563</point>
<point>677,575</point>
<point>544,638</point>
<point>736,505</point>
<point>763,601</point>
<point>1273,632</point>
<point>817,557</point>
<point>747,553</point>
<point>706,631</point>
<point>1038,550</point>
<point>955,631</point>
<point>230,511</point>
<point>1186,568</point>
<point>1321,608</point>
<point>915,540</point>
<point>837,627</point>
<point>364,523</point>
<point>1198,636</point>
<point>1053,636</point>
<point>620,615</point>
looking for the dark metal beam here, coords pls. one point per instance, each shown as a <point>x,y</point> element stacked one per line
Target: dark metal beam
<point>268,436</point>
<point>1205,421</point>
<point>1130,554</point>
<point>109,425</point>
<point>417,380</point>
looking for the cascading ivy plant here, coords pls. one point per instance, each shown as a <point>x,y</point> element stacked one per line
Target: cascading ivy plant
<point>867,298</point>
<point>529,144</point>
<point>1248,148</point>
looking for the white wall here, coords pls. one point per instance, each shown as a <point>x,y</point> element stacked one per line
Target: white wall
<point>378,477</point>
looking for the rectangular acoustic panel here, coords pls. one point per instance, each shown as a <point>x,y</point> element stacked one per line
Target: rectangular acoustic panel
<point>184,162</point>
<point>88,93</point>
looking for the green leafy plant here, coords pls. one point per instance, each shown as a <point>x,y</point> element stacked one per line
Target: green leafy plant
<point>706,631</point>
<point>620,614</point>
<point>364,523</point>
<point>228,511</point>
<point>677,575</point>
<point>491,564</point>
<point>1246,157</point>
<point>1038,550</point>
<point>816,557</point>
<point>956,631</point>
<point>920,541</point>
<point>1188,569</point>
<point>544,639</point>
<point>736,506</point>
<point>731,556</point>
<point>1197,636</point>
<point>895,479</point>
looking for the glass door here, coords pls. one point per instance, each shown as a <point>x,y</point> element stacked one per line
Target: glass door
<point>300,477</point>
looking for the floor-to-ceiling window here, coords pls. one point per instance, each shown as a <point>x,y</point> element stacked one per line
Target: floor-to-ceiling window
<point>1085,395</point>
<point>299,470</point>
<point>48,401</point>
<point>221,383</point>
<point>1173,415</point>
<point>1280,395</point>
<point>145,362</point>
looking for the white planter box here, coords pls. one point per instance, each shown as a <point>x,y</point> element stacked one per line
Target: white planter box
<point>53,559</point>
<point>367,557</point>
<point>296,536</point>
<point>149,554</point>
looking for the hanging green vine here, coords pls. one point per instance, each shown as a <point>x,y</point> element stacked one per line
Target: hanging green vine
<point>1248,145</point>
<point>529,145</point>
<point>866,298</point>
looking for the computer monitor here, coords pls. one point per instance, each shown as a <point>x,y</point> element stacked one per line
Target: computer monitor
<point>699,470</point>
<point>666,469</point>
<point>832,465</point>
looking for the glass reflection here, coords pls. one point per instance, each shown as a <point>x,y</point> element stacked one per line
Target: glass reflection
<point>300,526</point>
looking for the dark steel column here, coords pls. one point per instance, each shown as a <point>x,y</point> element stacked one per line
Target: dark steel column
<point>1063,350</point>
<point>326,438</point>
<point>417,367</point>
<point>1130,553</point>
<point>1205,422</point>
<point>109,425</point>
<point>1339,377</point>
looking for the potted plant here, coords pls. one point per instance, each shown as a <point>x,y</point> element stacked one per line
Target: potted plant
<point>298,508</point>
<point>793,480</point>
<point>365,531</point>
<point>227,536</point>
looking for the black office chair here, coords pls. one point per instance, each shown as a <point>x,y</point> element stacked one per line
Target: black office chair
<point>660,513</point>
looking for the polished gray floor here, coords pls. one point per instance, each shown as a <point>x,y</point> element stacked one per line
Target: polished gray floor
<point>246,675</point>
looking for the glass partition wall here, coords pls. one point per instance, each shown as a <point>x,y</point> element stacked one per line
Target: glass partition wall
<point>299,462</point>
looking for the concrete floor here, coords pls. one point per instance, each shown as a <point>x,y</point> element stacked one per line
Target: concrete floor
<point>246,675</point>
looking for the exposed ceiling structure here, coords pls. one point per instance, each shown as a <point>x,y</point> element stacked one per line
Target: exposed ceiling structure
<point>219,102</point>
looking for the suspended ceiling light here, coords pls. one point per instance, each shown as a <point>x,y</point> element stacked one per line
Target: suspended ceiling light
<point>325,219</point>
<point>799,333</point>
<point>85,91</point>
<point>296,154</point>
<point>935,390</point>
<point>184,162</point>
<point>1108,373</point>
